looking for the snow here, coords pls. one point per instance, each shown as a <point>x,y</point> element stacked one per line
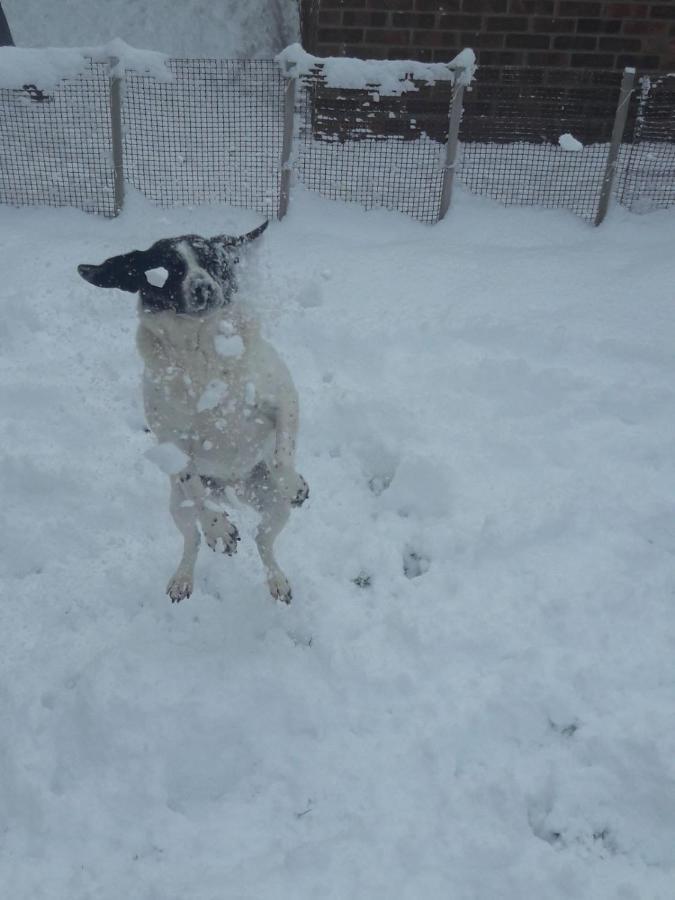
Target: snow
<point>157,276</point>
<point>192,28</point>
<point>471,695</point>
<point>392,77</point>
<point>568,142</point>
<point>228,345</point>
<point>170,459</point>
<point>213,394</point>
<point>46,67</point>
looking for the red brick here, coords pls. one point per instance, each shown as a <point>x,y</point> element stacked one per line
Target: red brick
<point>620,44</point>
<point>396,5</point>
<point>413,20</point>
<point>436,38</point>
<point>548,60</point>
<point>631,59</point>
<point>329,50</point>
<point>484,6</point>
<point>488,40</point>
<point>453,21</point>
<point>527,41</point>
<point>645,26</point>
<point>592,60</point>
<point>579,8</point>
<point>532,7</point>
<point>402,53</point>
<point>445,54</point>
<point>330,17</point>
<point>663,12</point>
<point>340,35</point>
<point>597,26</point>
<point>502,58</point>
<point>505,23</point>
<point>352,17</point>
<point>365,51</point>
<point>575,42</point>
<point>388,37</point>
<point>438,5</point>
<point>552,25</point>
<point>339,4</point>
<point>626,10</point>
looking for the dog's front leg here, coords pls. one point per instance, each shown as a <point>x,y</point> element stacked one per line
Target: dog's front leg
<point>213,520</point>
<point>184,515</point>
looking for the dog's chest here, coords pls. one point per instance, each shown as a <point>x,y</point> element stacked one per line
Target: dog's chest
<point>199,400</point>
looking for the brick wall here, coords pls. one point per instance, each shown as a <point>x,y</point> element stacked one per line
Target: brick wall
<point>550,33</point>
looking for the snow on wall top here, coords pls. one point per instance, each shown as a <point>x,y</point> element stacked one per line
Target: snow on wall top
<point>392,76</point>
<point>47,66</point>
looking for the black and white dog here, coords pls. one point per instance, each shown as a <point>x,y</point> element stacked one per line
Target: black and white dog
<point>213,388</point>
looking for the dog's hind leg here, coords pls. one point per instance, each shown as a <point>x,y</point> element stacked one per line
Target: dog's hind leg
<point>185,516</point>
<point>261,493</point>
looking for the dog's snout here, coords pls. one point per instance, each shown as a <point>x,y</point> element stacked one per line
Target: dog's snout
<point>201,294</point>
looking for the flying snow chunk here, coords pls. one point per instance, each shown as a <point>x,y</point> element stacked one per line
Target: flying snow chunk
<point>213,395</point>
<point>229,346</point>
<point>569,142</point>
<point>157,277</point>
<point>168,458</point>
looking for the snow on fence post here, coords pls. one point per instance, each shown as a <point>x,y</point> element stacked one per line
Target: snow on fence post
<point>451,149</point>
<point>287,146</point>
<point>627,83</point>
<point>116,133</point>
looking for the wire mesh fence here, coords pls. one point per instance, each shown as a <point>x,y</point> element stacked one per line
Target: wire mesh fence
<point>211,134</point>
<point>360,147</point>
<point>539,137</point>
<point>55,144</point>
<point>214,132</point>
<point>648,178</point>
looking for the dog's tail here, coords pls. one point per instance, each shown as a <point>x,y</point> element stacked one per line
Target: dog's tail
<point>230,241</point>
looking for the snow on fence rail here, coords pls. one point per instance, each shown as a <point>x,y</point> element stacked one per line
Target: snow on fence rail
<point>76,129</point>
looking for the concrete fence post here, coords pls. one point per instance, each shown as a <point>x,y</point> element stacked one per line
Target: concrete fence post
<point>116,133</point>
<point>453,143</point>
<point>627,83</point>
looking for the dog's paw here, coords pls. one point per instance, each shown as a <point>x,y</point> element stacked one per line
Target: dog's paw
<point>179,588</point>
<point>279,587</point>
<point>218,528</point>
<point>291,486</point>
<point>302,492</point>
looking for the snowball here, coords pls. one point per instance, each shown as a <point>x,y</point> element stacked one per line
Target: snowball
<point>229,346</point>
<point>168,458</point>
<point>213,395</point>
<point>568,142</point>
<point>157,277</point>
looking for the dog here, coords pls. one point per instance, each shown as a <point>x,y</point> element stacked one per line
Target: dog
<point>213,388</point>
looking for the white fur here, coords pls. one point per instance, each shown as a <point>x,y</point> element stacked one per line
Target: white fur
<point>236,419</point>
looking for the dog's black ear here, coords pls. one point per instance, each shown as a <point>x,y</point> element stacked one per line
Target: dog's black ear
<point>125,272</point>
<point>227,240</point>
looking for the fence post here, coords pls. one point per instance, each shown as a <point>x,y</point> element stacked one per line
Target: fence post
<point>116,132</point>
<point>287,146</point>
<point>451,149</point>
<point>615,145</point>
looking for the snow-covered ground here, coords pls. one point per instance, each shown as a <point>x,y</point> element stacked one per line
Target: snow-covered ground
<point>218,28</point>
<point>472,694</point>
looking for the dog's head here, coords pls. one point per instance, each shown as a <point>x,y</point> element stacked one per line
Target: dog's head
<point>189,275</point>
